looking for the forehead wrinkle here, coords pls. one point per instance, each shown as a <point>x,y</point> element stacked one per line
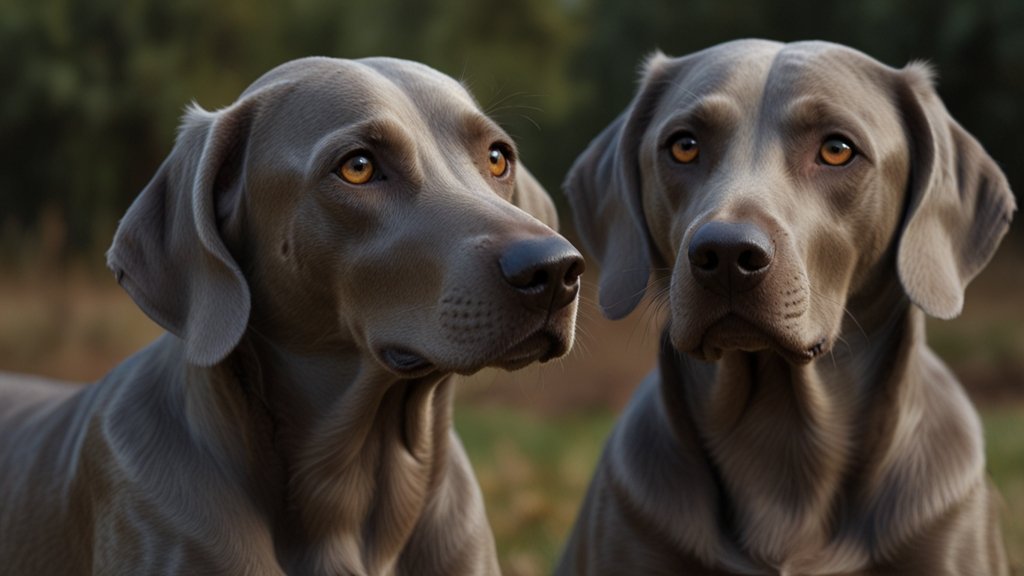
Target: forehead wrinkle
<point>817,87</point>
<point>430,93</point>
<point>437,117</point>
<point>461,146</point>
<point>811,113</point>
<point>415,77</point>
<point>745,88</point>
<point>717,112</point>
<point>834,71</point>
<point>693,85</point>
<point>703,94</point>
<point>433,118</point>
<point>382,136</point>
<point>722,93</point>
<point>391,96</point>
<point>446,116</point>
<point>479,130</point>
<point>476,126</point>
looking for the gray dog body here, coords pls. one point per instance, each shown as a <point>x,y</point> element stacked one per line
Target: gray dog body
<point>799,208</point>
<point>325,253</point>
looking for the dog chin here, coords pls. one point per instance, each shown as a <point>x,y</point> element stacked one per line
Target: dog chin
<point>730,333</point>
<point>539,346</point>
<point>733,333</point>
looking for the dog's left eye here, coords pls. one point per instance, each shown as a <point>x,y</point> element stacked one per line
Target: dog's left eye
<point>497,161</point>
<point>357,169</point>
<point>685,148</point>
<point>836,151</point>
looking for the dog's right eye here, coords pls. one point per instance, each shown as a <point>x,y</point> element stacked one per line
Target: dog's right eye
<point>836,151</point>
<point>356,169</point>
<point>497,160</point>
<point>685,148</point>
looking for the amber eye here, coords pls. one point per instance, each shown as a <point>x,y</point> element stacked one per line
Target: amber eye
<point>497,162</point>
<point>685,149</point>
<point>836,151</point>
<point>356,169</point>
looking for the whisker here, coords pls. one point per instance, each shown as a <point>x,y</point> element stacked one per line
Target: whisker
<point>846,311</point>
<point>654,304</point>
<point>532,121</point>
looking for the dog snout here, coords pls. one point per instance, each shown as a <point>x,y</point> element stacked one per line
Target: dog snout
<point>730,257</point>
<point>543,271</point>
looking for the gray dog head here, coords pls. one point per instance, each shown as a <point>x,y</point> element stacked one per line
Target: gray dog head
<point>774,184</point>
<point>366,204</point>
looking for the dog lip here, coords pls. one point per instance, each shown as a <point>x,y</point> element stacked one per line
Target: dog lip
<point>736,332</point>
<point>819,348</point>
<point>404,361</point>
<point>731,332</point>
<point>539,345</point>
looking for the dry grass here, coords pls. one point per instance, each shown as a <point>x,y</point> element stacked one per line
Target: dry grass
<point>73,325</point>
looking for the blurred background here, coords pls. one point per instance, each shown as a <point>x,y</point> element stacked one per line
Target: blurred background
<point>93,90</point>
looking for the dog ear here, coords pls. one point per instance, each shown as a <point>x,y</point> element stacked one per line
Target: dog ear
<point>168,253</point>
<point>959,205</point>
<point>604,186</point>
<point>533,199</point>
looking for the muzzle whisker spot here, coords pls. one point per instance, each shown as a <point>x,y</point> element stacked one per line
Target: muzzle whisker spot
<point>846,312</point>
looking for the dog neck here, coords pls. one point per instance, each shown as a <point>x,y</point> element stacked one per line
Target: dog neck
<point>808,458</point>
<point>349,451</point>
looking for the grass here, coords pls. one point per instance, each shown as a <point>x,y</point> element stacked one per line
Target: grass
<point>535,470</point>
<point>1004,437</point>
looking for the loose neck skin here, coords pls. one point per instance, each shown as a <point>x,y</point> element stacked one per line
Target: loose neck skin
<point>790,444</point>
<point>347,450</point>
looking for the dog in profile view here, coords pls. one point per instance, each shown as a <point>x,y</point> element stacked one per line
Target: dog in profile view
<point>325,253</point>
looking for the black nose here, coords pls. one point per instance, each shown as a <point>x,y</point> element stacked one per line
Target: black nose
<point>730,257</point>
<point>544,271</point>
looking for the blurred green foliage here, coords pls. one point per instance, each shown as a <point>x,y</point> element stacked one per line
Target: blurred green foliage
<point>93,89</point>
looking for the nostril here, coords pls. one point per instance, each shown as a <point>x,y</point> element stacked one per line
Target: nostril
<point>574,272</point>
<point>749,262</point>
<point>707,261</point>
<point>730,256</point>
<point>529,279</point>
<point>538,280</point>
<point>544,271</point>
<point>537,263</point>
<point>757,257</point>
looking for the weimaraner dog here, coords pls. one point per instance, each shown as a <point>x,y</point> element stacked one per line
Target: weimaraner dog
<point>799,209</point>
<point>325,253</point>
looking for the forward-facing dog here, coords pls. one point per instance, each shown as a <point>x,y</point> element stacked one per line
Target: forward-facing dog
<point>799,208</point>
<point>325,253</point>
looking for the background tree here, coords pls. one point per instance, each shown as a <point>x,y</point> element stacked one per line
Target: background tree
<point>93,90</point>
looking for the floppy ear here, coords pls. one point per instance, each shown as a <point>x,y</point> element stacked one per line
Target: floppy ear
<point>533,199</point>
<point>959,205</point>
<point>168,253</point>
<point>604,186</point>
